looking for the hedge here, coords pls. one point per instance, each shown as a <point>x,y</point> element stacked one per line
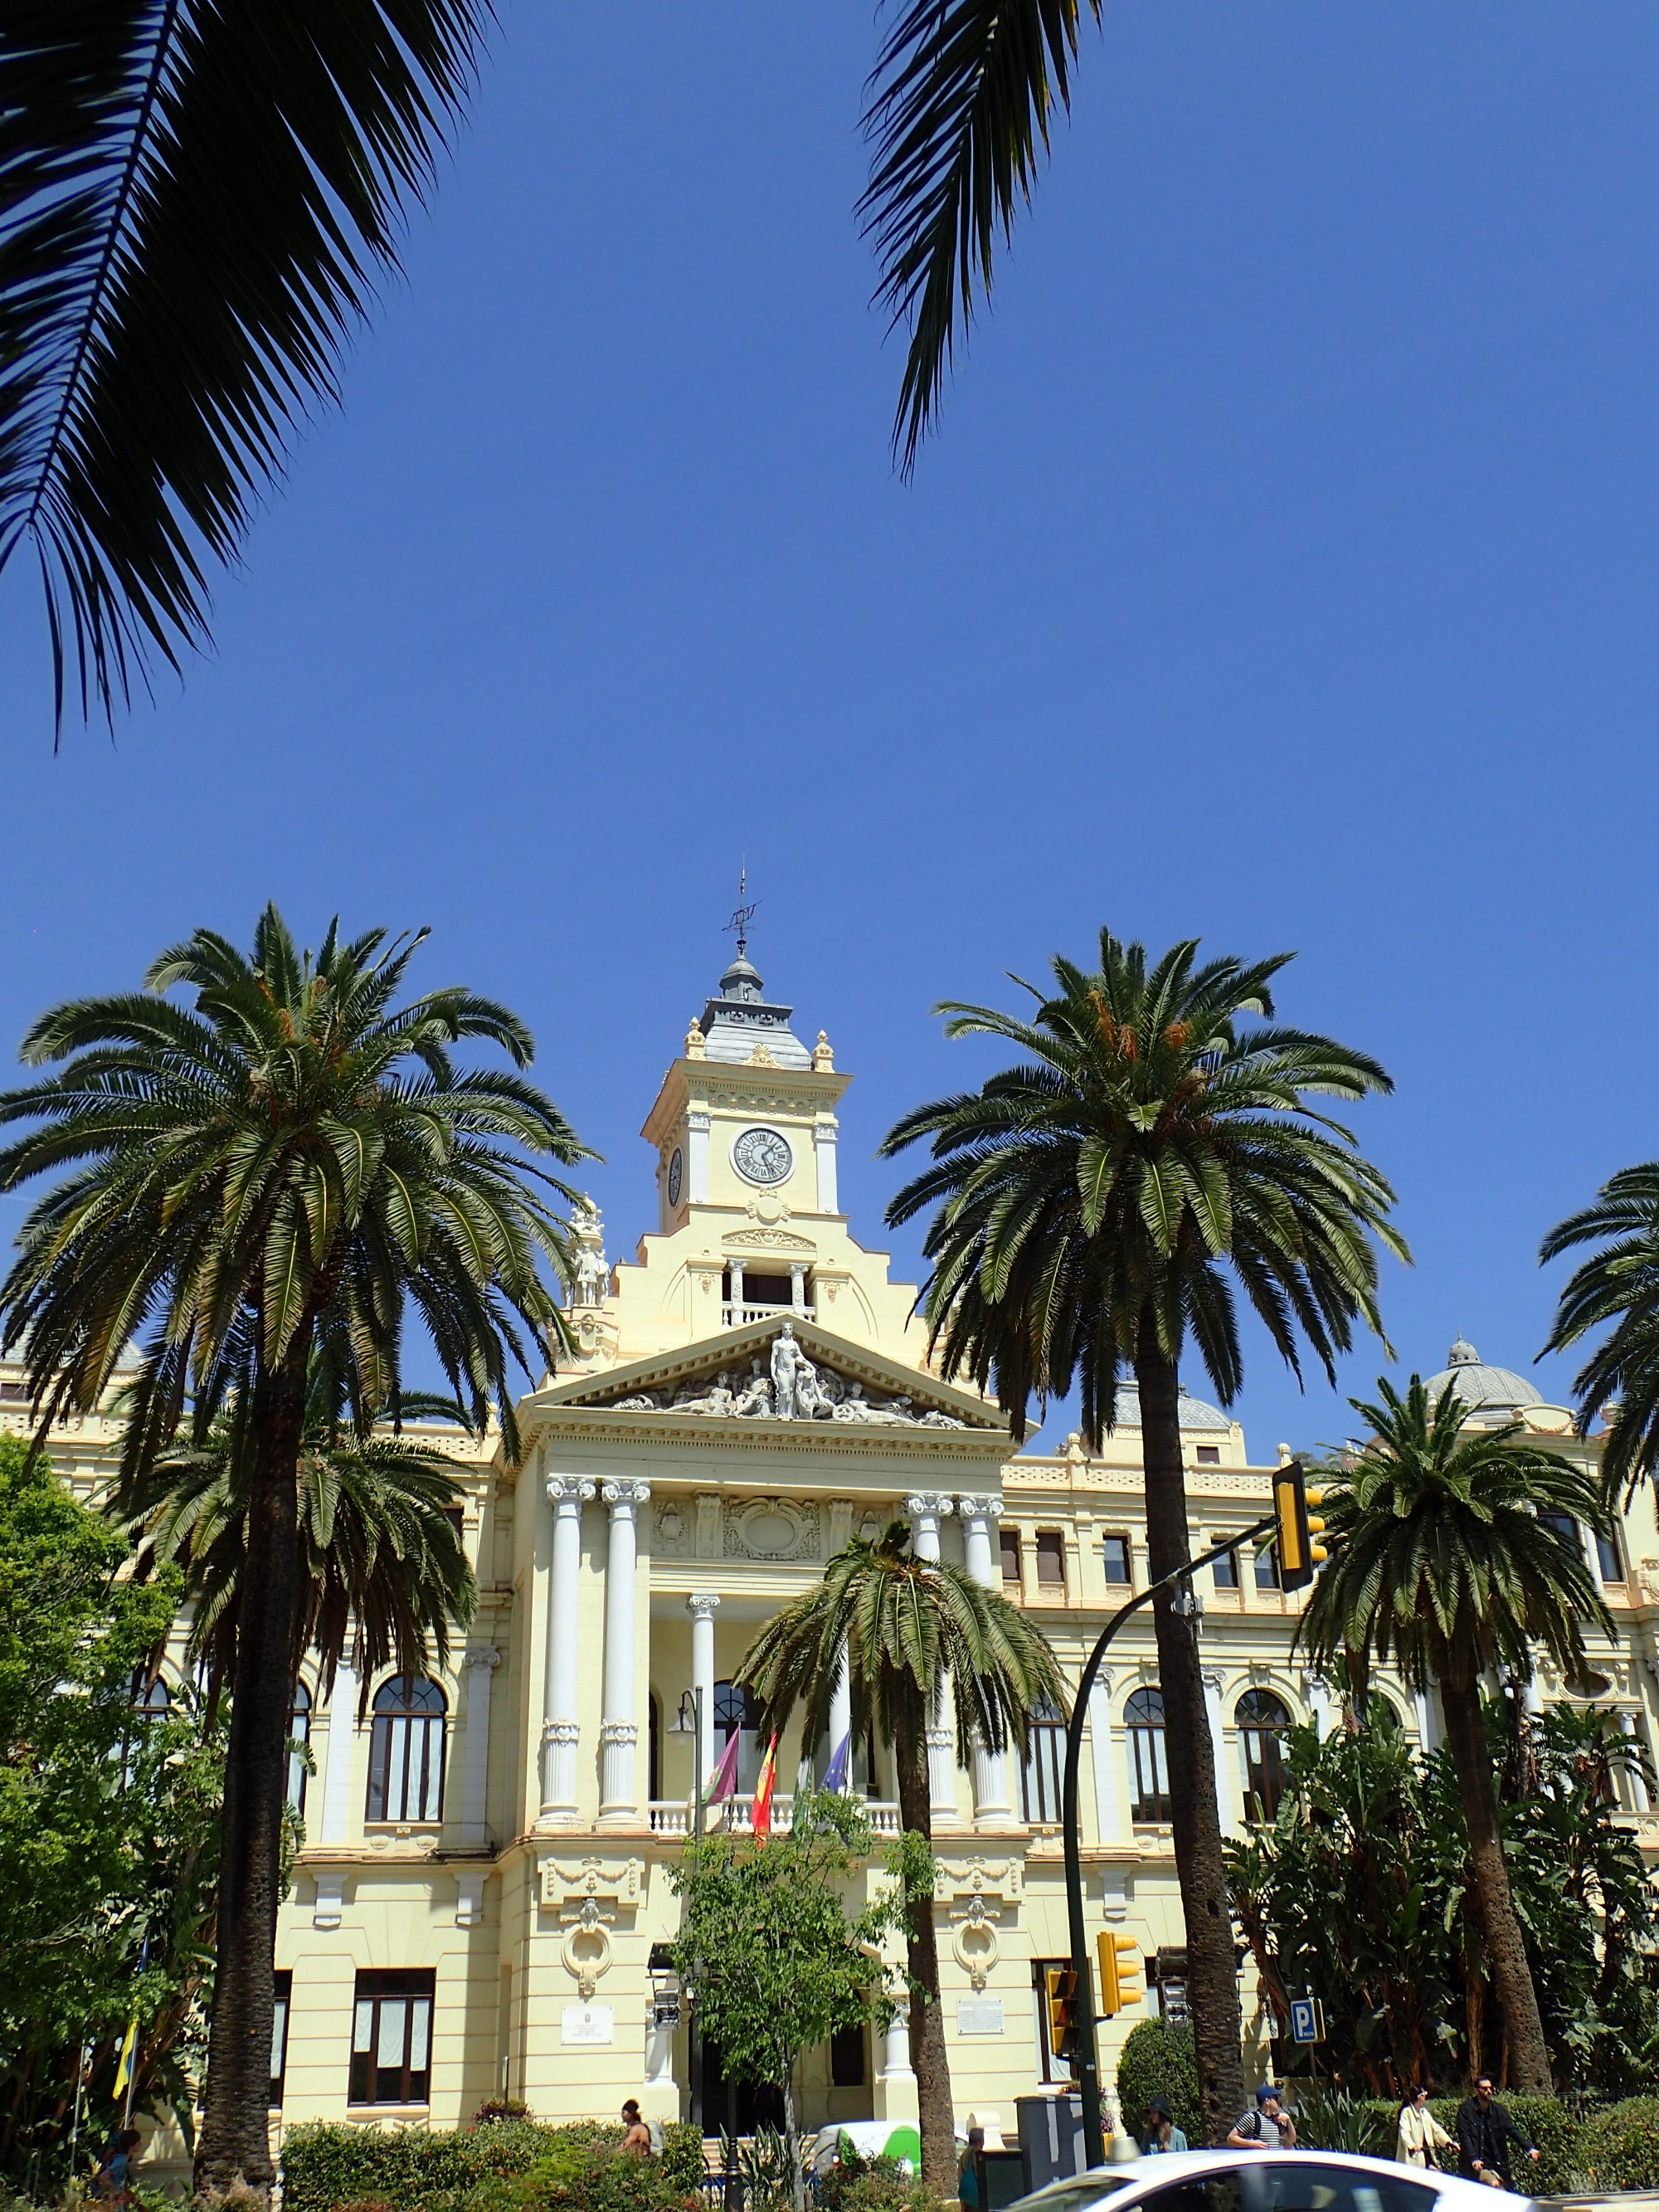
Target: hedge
<point>1157,2060</point>
<point>326,2166</point>
<point>1565,2139</point>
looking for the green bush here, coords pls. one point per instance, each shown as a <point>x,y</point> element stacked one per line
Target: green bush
<point>1330,2119</point>
<point>1157,2061</point>
<point>879,2183</point>
<point>1556,2128</point>
<point>682,2154</point>
<point>1618,2149</point>
<point>326,2166</point>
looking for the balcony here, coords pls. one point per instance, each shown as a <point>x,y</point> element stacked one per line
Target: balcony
<point>734,1816</point>
<point>737,1317</point>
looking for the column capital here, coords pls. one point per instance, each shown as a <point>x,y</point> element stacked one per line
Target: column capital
<point>700,1605</point>
<point>935,1502</point>
<point>1212,1682</point>
<point>561,1731</point>
<point>980,1509</point>
<point>941,1739</point>
<point>483,1655</point>
<point>570,1489</point>
<point>698,1122</point>
<point>619,1732</point>
<point>623,1497</point>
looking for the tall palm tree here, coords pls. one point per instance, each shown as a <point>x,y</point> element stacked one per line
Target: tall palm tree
<point>1447,1560</point>
<point>197,203</point>
<point>266,1179</point>
<point>1092,1207</point>
<point>1617,1288</point>
<point>385,1573</point>
<point>901,1626</point>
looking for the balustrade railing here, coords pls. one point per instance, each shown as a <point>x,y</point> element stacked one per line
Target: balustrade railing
<point>735,1317</point>
<point>735,1816</point>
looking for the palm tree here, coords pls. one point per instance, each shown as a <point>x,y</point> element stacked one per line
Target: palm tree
<point>1092,1207</point>
<point>196,204</point>
<point>1617,1284</point>
<point>385,1573</point>
<point>961,95</point>
<point>1453,1554</point>
<point>265,1180</point>
<point>901,1627</point>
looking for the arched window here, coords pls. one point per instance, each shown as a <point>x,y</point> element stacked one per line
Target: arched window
<point>737,1713</point>
<point>1262,1720</point>
<point>406,1751</point>
<point>1149,1762</point>
<point>299,1733</point>
<point>150,1700</point>
<point>1045,1765</point>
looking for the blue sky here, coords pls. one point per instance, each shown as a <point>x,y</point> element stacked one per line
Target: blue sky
<point>1284,575</point>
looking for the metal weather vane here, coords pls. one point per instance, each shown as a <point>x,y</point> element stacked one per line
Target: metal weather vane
<point>744,911</point>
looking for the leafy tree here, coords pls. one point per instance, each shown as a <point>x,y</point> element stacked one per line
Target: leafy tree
<point>265,1180</point>
<point>774,1963</point>
<point>108,1832</point>
<point>900,1625</point>
<point>1093,1207</point>
<point>1616,1288</point>
<point>1446,1562</point>
<point>1157,2061</point>
<point>1360,1891</point>
<point>196,204</point>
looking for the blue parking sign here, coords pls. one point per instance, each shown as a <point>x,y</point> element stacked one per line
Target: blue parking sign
<point>1306,2026</point>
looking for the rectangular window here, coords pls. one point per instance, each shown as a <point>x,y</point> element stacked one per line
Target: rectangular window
<point>1608,1558</point>
<point>1266,1569</point>
<point>283,1980</point>
<point>1050,1559</point>
<point>1010,1537</point>
<point>1209,1454</point>
<point>455,1514</point>
<point>1045,1763</point>
<point>1226,1571</point>
<point>392,2039</point>
<point>847,2059</point>
<point>1115,1552</point>
<point>1566,1528</point>
<point>1049,2069</point>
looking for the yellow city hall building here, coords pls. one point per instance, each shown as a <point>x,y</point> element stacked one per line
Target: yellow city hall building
<point>486,1857</point>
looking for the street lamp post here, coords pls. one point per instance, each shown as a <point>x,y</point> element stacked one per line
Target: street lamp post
<point>1088,2062</point>
<point>688,1720</point>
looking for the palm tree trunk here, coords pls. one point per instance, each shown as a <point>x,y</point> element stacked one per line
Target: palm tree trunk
<point>1212,1972</point>
<point>1494,1905</point>
<point>235,2139</point>
<point>928,2055</point>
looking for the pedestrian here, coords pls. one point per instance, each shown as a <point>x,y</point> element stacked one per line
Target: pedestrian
<point>1485,2134</point>
<point>1266,2126</point>
<point>1162,2133</point>
<point>1420,2135</point>
<point>113,2183</point>
<point>970,2175</point>
<point>636,2138</point>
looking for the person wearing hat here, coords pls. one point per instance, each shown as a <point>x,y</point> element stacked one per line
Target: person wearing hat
<point>1162,2133</point>
<point>1268,2126</point>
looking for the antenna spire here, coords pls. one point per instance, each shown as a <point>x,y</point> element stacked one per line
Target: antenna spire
<point>744,913</point>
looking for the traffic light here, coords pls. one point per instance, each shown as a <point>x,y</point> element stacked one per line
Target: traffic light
<point>1120,1968</point>
<point>1300,1552</point>
<point>1060,1984</point>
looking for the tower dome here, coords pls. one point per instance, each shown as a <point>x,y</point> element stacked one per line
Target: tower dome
<point>1478,1385</point>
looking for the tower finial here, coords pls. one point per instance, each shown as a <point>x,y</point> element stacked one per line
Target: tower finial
<point>744,913</point>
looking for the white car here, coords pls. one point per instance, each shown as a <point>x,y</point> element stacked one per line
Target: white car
<point>1263,2181</point>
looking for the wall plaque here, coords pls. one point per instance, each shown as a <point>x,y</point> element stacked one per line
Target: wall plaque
<point>589,2023</point>
<point>979,2015</point>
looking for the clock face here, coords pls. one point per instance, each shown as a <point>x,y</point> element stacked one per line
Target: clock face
<point>676,1175</point>
<point>762,1156</point>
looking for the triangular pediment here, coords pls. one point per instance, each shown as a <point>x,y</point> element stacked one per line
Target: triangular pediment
<point>742,1376</point>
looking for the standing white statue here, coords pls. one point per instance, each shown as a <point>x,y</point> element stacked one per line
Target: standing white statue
<point>588,1266</point>
<point>791,1368</point>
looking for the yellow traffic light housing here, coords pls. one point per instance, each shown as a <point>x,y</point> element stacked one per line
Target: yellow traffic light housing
<point>1300,1555</point>
<point>1120,1968</point>
<point>1059,1986</point>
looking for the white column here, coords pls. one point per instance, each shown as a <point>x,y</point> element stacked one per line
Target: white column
<point>840,1717</point>
<point>560,1725</point>
<point>896,2080</point>
<point>480,1665</point>
<point>734,1269</point>
<point>979,1516</point>
<point>926,1509</point>
<point>1111,1826</point>
<point>1226,1797</point>
<point>696,1159</point>
<point>701,1607</point>
<point>1639,1788</point>
<point>824,1145</point>
<point>337,1764</point>
<point>1430,1728</point>
<point>1319,1704</point>
<point>619,1730</point>
<point>798,1286</point>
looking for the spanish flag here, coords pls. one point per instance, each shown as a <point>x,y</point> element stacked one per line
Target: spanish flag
<point>762,1817</point>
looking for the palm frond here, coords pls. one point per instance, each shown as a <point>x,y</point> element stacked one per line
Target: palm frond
<point>199,199</point>
<point>961,96</point>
